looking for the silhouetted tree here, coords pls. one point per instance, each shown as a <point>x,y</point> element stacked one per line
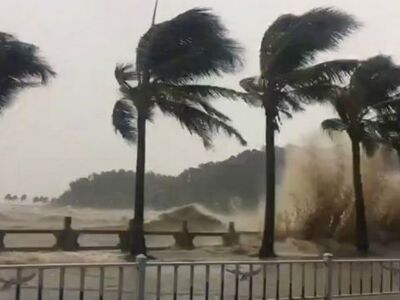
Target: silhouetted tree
<point>369,93</point>
<point>288,81</point>
<point>226,186</point>
<point>171,57</point>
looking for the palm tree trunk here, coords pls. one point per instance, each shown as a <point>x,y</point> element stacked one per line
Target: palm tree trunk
<point>361,222</point>
<point>137,239</point>
<point>267,246</point>
<point>397,149</point>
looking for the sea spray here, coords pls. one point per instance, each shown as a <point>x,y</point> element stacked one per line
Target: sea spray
<point>317,200</point>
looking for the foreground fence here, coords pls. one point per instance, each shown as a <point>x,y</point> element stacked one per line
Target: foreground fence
<point>322,278</point>
<point>67,238</point>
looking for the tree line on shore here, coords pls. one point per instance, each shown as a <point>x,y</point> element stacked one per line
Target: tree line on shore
<point>224,187</point>
<point>175,56</point>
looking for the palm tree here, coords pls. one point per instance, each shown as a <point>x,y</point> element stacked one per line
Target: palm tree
<point>171,57</point>
<point>288,80</point>
<point>20,67</point>
<point>359,105</point>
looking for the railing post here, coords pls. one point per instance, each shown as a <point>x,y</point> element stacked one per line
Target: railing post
<point>125,236</point>
<point>2,236</point>
<point>141,279</point>
<point>328,275</point>
<point>184,239</point>
<point>231,238</point>
<point>67,240</point>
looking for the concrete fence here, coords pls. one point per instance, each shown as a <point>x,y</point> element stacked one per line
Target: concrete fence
<point>66,239</point>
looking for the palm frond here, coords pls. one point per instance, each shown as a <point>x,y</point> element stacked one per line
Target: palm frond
<point>124,120</point>
<point>375,80</point>
<point>333,125</point>
<point>180,94</point>
<point>286,101</point>
<point>20,66</point>
<point>138,96</point>
<point>22,61</point>
<point>335,71</point>
<point>9,87</point>
<point>124,73</point>
<point>195,92</point>
<point>319,93</point>
<point>199,96</point>
<point>293,41</point>
<point>190,46</point>
<point>198,122</point>
<point>252,85</point>
<point>369,145</point>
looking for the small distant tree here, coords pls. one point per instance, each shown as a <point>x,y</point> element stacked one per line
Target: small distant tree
<point>23,197</point>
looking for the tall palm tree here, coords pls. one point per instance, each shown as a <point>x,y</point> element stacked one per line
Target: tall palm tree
<point>20,67</point>
<point>359,105</point>
<point>288,80</point>
<point>171,57</point>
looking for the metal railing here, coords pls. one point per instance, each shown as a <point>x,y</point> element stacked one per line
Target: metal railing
<point>322,278</point>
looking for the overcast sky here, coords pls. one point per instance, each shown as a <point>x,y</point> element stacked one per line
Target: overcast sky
<point>58,133</point>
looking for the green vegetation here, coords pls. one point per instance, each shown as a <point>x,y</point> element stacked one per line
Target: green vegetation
<point>233,184</point>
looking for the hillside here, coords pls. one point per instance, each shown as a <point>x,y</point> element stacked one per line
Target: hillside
<point>237,182</point>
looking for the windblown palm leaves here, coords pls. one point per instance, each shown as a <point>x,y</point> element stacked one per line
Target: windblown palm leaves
<point>388,126</point>
<point>288,80</point>
<point>170,57</point>
<point>186,48</point>
<point>368,105</point>
<point>20,67</point>
<point>288,48</point>
<point>292,42</point>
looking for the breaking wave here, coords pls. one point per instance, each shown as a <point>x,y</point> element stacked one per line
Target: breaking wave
<point>317,194</point>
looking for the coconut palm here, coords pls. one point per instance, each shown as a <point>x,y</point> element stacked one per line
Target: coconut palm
<point>20,67</point>
<point>288,80</point>
<point>360,106</point>
<point>171,57</point>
